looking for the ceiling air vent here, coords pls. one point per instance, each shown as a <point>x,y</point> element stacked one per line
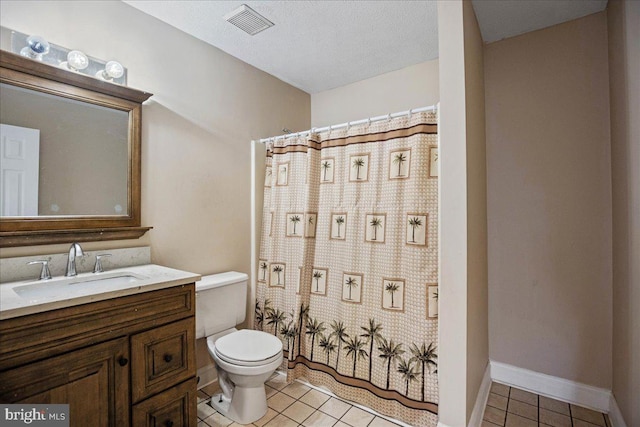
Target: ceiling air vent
<point>248,20</point>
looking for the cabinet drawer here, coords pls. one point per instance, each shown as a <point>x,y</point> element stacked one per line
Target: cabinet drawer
<point>29,338</point>
<point>175,407</point>
<point>162,357</point>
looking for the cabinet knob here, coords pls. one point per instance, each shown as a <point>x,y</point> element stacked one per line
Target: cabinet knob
<point>168,358</point>
<point>168,423</point>
<point>122,361</point>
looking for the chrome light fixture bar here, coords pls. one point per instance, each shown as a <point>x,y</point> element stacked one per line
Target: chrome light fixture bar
<point>39,49</point>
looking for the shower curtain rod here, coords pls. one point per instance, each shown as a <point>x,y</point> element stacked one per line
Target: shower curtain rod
<point>353,123</point>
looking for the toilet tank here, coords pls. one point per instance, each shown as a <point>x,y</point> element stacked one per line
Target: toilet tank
<point>221,301</point>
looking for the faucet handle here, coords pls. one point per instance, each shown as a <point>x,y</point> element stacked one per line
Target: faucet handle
<point>45,274</point>
<point>98,267</point>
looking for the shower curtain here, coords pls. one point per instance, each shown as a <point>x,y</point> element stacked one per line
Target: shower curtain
<point>347,275</point>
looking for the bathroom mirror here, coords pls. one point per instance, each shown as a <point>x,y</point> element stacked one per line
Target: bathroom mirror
<point>70,156</point>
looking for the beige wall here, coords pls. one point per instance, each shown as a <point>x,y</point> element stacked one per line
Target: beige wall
<point>549,201</point>
<point>463,344</point>
<point>411,87</point>
<point>624,69</point>
<point>452,345</point>
<point>477,286</point>
<point>196,131</point>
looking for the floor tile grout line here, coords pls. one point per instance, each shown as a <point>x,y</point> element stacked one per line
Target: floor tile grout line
<point>352,404</point>
<point>571,415</point>
<point>504,423</point>
<point>539,407</point>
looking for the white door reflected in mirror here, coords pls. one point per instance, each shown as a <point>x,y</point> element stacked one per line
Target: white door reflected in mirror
<point>19,165</point>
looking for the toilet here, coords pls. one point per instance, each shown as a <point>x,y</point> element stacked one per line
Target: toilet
<point>245,358</point>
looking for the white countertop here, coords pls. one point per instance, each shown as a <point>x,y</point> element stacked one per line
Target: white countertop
<point>46,295</point>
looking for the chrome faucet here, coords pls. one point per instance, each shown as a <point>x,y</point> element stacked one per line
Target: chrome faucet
<point>74,251</point>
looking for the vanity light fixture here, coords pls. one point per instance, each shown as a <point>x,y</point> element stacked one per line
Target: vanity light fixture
<point>36,48</point>
<point>112,70</point>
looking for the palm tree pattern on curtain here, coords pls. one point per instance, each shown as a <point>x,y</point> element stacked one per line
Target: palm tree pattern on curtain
<point>343,322</point>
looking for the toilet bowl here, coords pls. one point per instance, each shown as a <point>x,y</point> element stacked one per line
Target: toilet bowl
<point>244,358</point>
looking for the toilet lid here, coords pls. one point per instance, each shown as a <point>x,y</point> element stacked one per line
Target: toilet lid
<point>248,346</point>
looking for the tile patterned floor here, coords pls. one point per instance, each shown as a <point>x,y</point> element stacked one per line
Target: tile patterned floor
<point>293,405</point>
<point>298,405</point>
<point>512,407</point>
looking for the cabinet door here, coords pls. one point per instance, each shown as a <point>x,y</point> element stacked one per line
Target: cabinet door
<point>175,407</point>
<point>162,357</point>
<point>94,381</point>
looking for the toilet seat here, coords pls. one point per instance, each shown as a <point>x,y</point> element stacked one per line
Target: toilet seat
<point>248,348</point>
<point>245,363</point>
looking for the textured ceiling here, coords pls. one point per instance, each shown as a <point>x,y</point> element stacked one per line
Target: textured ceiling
<point>314,45</point>
<point>320,45</point>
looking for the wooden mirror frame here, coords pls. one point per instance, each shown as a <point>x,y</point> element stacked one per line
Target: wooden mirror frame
<point>23,72</point>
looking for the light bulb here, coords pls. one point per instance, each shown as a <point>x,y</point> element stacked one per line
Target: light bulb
<point>77,60</point>
<point>114,69</point>
<point>36,47</point>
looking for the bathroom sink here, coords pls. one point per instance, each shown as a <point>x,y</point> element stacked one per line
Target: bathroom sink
<point>27,297</point>
<point>54,287</point>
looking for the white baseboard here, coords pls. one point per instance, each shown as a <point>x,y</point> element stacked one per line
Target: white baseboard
<point>481,399</point>
<point>577,393</point>
<point>615,416</point>
<point>591,397</point>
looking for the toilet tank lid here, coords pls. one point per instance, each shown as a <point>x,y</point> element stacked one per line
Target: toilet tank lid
<point>220,279</point>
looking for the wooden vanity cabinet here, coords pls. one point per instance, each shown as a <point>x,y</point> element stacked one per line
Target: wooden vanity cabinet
<point>90,380</point>
<point>171,408</point>
<point>119,362</point>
